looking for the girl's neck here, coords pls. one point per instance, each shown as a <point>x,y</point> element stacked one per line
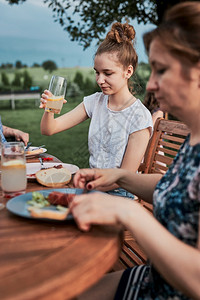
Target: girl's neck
<point>119,102</point>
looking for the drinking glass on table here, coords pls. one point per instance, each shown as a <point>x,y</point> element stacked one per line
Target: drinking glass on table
<point>57,87</point>
<point>13,169</point>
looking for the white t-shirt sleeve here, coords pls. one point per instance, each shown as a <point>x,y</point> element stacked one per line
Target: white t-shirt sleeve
<point>142,118</point>
<point>90,102</point>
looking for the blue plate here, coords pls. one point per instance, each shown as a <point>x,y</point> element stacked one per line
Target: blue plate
<point>18,205</point>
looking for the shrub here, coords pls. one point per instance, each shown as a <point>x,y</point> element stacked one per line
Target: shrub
<point>90,87</point>
<point>4,79</point>
<point>17,80</point>
<point>73,90</point>
<point>78,79</point>
<point>27,81</point>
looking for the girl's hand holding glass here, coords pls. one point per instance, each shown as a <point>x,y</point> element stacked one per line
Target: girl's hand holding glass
<point>53,99</point>
<point>44,97</point>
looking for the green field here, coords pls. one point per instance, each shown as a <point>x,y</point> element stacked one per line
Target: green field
<point>42,78</point>
<point>69,146</point>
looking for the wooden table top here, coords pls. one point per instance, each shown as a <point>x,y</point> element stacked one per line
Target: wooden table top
<point>52,260</point>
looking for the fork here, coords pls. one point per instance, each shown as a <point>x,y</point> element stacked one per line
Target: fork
<point>41,162</point>
<point>28,145</point>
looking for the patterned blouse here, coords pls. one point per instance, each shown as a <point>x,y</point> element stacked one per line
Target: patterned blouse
<point>176,206</point>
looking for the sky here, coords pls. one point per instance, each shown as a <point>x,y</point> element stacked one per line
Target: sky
<point>28,33</point>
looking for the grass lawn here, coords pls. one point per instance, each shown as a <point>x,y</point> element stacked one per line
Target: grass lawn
<point>69,146</point>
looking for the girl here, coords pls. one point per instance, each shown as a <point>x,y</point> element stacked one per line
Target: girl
<point>120,124</point>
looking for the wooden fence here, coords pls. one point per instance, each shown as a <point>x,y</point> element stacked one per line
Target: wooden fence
<point>12,97</point>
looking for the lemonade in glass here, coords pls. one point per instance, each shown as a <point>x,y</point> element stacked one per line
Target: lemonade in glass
<point>54,104</point>
<point>13,169</point>
<point>57,88</point>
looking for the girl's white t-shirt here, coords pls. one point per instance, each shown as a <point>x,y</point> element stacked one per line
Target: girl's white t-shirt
<point>109,130</point>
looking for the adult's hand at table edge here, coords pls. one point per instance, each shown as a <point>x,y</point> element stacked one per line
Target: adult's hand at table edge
<point>91,179</point>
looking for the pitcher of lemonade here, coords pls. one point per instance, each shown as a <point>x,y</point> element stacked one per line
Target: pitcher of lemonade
<point>13,169</point>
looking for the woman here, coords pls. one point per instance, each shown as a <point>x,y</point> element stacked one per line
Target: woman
<point>120,124</point>
<point>170,238</point>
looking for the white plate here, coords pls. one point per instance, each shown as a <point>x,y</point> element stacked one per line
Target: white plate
<point>32,168</point>
<point>35,153</point>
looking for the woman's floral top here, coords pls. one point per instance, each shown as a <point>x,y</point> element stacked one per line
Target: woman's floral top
<point>176,206</point>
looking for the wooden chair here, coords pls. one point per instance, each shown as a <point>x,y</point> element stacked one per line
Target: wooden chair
<point>163,146</point>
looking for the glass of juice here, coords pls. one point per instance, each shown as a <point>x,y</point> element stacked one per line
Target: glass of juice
<point>13,169</point>
<point>57,87</point>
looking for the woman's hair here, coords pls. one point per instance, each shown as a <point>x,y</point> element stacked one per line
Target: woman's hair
<point>179,33</point>
<point>150,102</point>
<point>120,39</point>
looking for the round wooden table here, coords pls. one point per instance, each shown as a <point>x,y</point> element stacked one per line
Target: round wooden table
<point>52,260</point>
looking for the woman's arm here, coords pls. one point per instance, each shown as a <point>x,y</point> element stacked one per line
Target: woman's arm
<point>50,126</point>
<point>142,185</point>
<point>177,262</point>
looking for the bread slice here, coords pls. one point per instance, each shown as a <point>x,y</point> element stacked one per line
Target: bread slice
<point>53,177</point>
<point>34,152</point>
<point>48,214</point>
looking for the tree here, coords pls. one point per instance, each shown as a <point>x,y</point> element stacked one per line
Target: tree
<point>87,20</point>
<point>49,65</point>
<point>73,90</point>
<point>78,79</point>
<point>27,83</point>
<point>17,80</point>
<point>18,64</point>
<point>35,65</point>
<point>6,66</point>
<point>4,79</point>
<point>90,87</point>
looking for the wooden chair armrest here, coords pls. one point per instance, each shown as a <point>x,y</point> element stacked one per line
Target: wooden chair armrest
<point>141,167</point>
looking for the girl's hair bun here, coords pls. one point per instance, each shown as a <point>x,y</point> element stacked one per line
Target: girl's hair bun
<point>120,39</point>
<point>121,33</point>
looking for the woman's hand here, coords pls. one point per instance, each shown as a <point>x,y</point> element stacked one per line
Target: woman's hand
<point>43,100</point>
<point>16,133</point>
<point>97,208</point>
<point>91,179</point>
<point>21,136</point>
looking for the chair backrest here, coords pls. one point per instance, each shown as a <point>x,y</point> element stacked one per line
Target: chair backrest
<point>164,144</point>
